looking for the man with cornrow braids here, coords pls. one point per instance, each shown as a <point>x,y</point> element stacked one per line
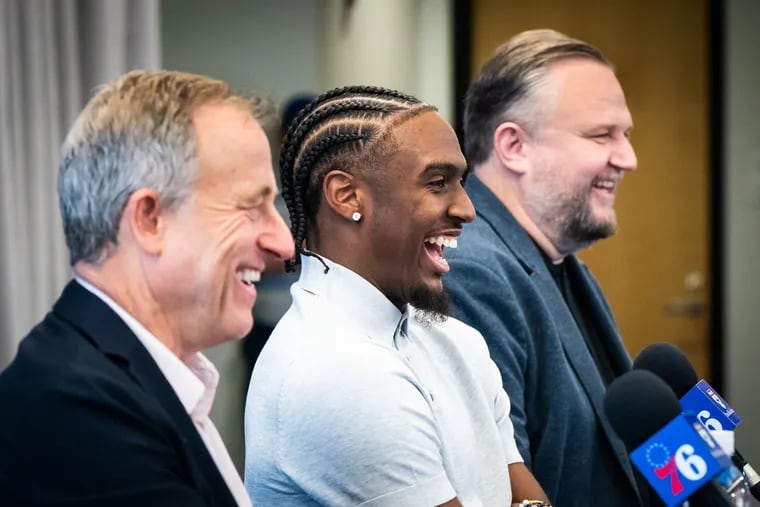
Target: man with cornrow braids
<point>366,394</point>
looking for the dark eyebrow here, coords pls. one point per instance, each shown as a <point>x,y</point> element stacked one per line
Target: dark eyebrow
<point>442,167</point>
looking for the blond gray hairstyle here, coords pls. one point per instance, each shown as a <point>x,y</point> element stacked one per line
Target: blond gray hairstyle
<point>504,88</point>
<point>136,132</point>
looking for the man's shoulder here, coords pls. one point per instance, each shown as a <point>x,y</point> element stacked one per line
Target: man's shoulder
<point>480,232</point>
<point>60,377</point>
<point>484,263</point>
<point>481,246</point>
<point>65,402</point>
<point>452,341</point>
<point>50,352</point>
<point>315,351</point>
<point>461,332</point>
<point>63,371</point>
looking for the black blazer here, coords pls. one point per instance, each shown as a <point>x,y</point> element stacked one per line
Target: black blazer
<point>87,418</point>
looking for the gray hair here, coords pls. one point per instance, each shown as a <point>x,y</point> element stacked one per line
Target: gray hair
<point>136,132</point>
<point>503,89</point>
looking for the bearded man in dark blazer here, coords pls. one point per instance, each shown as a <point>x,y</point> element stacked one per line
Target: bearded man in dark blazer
<point>547,135</point>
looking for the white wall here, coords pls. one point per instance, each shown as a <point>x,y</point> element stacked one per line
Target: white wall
<point>283,47</point>
<point>399,44</point>
<point>742,221</point>
<point>272,46</point>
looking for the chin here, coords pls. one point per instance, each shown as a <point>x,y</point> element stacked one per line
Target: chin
<point>606,225</point>
<point>239,330</point>
<point>432,303</point>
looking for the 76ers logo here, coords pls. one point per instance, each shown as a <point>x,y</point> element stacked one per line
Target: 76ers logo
<point>685,463</point>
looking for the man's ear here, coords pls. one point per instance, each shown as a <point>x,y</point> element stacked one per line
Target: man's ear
<point>144,220</point>
<point>342,194</point>
<point>510,146</point>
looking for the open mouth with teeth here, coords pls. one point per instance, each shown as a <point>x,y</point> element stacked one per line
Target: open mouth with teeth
<point>434,248</point>
<point>607,185</point>
<point>248,276</point>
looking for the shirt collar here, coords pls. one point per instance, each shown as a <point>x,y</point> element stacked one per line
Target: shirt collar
<point>194,381</point>
<point>355,296</point>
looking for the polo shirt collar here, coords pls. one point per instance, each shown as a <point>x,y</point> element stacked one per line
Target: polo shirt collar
<point>342,287</point>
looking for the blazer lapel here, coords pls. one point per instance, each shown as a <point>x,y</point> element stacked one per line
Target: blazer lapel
<point>109,334</point>
<point>621,363</point>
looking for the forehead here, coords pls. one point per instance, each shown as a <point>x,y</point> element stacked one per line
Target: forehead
<point>583,92</point>
<point>231,146</point>
<point>424,140</point>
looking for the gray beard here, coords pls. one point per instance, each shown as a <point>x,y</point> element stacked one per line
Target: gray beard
<point>572,226</point>
<point>579,226</point>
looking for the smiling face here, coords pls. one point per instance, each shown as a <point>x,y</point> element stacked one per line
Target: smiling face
<point>418,205</point>
<point>578,154</point>
<point>216,243</point>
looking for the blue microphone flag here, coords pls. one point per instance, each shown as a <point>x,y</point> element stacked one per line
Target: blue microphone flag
<point>679,459</point>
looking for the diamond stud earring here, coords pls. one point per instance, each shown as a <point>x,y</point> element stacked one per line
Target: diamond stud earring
<point>356,216</point>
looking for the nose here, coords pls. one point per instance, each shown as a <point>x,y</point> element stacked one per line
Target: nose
<point>276,239</point>
<point>462,208</point>
<point>623,157</point>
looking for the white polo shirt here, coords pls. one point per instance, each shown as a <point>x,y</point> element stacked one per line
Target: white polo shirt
<point>353,402</point>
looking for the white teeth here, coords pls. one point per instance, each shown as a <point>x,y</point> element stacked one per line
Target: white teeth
<point>446,241</point>
<point>249,276</point>
<point>605,184</point>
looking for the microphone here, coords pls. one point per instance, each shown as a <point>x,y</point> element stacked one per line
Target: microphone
<point>672,450</point>
<point>752,477</point>
<point>671,365</point>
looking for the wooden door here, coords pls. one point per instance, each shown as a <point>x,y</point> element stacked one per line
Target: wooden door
<point>654,271</point>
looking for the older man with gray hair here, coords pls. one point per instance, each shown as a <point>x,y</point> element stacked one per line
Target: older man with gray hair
<point>167,197</point>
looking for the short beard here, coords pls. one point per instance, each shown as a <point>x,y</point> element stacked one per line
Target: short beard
<point>577,224</point>
<point>569,218</point>
<point>430,306</point>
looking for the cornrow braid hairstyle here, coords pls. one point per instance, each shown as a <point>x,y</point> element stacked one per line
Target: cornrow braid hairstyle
<point>345,128</point>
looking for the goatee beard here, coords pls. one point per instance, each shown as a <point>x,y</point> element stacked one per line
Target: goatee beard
<point>578,224</point>
<point>431,306</point>
<point>573,225</point>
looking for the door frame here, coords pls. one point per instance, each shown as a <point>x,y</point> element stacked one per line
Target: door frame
<point>462,19</point>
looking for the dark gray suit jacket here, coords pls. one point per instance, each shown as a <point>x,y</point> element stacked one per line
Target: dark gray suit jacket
<point>501,286</point>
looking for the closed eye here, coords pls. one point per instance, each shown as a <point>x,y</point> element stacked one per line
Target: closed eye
<point>439,183</point>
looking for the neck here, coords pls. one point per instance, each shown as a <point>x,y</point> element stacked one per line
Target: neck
<point>342,244</point>
<point>133,294</point>
<point>505,185</point>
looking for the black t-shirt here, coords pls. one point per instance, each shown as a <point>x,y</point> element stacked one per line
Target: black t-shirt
<point>568,286</point>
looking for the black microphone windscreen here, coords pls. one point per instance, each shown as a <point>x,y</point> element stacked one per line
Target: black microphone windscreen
<point>670,364</point>
<point>638,404</point>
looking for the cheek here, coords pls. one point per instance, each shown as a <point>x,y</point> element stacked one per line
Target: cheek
<point>228,236</point>
<point>580,170</point>
<point>592,159</point>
